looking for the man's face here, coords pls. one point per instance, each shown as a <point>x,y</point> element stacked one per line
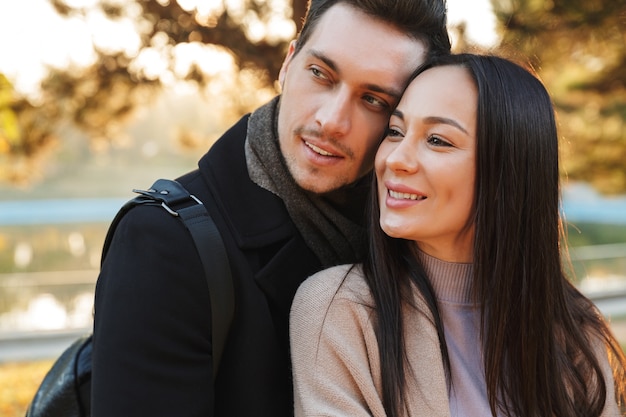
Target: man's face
<point>337,95</point>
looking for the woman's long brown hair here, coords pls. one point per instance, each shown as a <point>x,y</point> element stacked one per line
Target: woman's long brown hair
<point>541,337</point>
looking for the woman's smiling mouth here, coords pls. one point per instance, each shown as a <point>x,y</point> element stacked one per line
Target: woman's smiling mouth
<point>405,196</point>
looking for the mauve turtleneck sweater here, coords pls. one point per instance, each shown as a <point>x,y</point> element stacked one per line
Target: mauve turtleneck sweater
<point>452,283</point>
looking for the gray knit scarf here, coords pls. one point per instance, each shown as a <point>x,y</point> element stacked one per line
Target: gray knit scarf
<point>327,222</point>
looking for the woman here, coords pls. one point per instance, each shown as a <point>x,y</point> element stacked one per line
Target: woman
<point>462,307</point>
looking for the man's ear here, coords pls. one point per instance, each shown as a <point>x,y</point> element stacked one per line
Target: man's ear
<point>285,66</point>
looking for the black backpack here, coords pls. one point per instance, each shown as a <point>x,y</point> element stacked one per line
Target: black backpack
<point>66,389</point>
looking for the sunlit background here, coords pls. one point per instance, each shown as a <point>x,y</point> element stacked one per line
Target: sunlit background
<point>61,42</point>
<point>100,97</point>
<point>70,43</point>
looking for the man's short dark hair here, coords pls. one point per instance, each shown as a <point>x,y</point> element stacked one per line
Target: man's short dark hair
<point>424,20</point>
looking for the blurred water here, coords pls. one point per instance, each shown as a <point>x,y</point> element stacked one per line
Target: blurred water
<point>52,304</point>
<point>580,203</point>
<point>46,301</point>
<point>60,211</point>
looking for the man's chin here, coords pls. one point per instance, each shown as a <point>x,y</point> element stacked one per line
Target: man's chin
<point>316,180</point>
<point>317,185</point>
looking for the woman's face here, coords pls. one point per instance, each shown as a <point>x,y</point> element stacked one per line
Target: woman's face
<point>425,166</point>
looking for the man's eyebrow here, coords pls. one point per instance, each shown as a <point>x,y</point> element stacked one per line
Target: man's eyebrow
<point>319,55</point>
<point>434,120</point>
<point>396,94</point>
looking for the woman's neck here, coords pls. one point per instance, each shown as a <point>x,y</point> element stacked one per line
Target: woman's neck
<point>451,281</point>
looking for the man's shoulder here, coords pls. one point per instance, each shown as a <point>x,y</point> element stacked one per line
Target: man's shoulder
<point>253,214</point>
<point>228,147</point>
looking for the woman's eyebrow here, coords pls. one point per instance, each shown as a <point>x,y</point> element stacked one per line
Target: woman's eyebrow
<point>398,113</point>
<point>445,120</point>
<point>434,120</point>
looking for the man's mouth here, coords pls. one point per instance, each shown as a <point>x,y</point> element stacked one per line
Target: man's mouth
<point>318,150</point>
<point>405,196</point>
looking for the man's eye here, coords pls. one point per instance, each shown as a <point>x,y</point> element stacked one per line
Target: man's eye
<point>376,101</point>
<point>317,73</point>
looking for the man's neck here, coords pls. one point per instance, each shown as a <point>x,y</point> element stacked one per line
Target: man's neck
<point>351,200</point>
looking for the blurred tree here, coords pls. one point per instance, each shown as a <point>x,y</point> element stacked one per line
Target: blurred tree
<point>25,135</point>
<point>9,129</point>
<point>578,47</point>
<point>247,38</point>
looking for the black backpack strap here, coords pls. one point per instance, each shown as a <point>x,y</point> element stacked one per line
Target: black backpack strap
<point>177,201</point>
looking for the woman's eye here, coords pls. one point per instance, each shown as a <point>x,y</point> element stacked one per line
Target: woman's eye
<point>393,132</point>
<point>437,141</point>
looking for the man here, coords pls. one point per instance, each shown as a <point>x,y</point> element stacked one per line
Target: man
<point>286,187</point>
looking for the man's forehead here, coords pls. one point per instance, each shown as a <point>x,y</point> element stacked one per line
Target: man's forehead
<point>343,30</point>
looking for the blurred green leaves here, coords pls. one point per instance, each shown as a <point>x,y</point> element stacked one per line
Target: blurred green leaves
<point>578,48</point>
<point>9,128</point>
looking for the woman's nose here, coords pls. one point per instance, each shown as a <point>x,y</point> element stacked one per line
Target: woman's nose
<point>403,157</point>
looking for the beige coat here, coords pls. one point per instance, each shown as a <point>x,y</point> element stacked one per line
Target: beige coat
<point>335,353</point>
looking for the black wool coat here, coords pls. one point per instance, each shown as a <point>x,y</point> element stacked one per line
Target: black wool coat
<point>152,322</point>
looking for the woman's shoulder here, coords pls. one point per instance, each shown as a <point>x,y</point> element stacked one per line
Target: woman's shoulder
<point>336,291</point>
<point>331,313</point>
<point>338,282</point>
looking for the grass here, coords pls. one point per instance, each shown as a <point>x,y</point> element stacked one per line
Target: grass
<point>18,383</point>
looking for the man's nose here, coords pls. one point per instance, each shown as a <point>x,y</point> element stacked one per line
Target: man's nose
<point>334,115</point>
